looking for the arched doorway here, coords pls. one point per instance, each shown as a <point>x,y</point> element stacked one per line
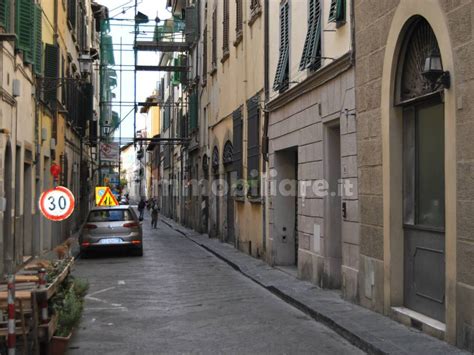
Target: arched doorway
<point>7,214</point>
<point>214,190</point>
<point>421,101</point>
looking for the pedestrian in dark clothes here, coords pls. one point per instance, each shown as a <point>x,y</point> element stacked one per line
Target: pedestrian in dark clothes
<point>141,208</point>
<point>154,215</point>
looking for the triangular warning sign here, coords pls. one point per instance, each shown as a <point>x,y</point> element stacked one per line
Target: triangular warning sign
<point>108,199</point>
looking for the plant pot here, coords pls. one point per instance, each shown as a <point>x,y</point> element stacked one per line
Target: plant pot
<point>58,345</point>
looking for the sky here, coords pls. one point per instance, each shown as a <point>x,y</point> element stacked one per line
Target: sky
<point>122,32</point>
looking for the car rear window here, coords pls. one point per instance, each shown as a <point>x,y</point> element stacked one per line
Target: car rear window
<point>110,216</point>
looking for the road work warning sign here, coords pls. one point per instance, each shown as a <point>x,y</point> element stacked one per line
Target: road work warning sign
<point>105,197</point>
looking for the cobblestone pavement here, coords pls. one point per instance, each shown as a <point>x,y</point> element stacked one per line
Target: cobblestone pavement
<point>178,298</point>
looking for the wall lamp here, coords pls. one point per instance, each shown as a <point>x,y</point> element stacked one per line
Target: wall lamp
<point>433,71</point>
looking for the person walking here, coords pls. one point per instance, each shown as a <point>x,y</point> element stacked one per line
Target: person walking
<point>141,208</point>
<point>154,215</point>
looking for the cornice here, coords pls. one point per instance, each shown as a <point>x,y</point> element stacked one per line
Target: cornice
<point>313,81</point>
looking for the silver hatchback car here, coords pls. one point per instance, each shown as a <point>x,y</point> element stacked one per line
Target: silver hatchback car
<point>112,227</point>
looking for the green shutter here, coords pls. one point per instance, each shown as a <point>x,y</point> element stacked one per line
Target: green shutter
<point>337,11</point>
<point>51,74</point>
<point>24,28</point>
<point>5,14</point>
<point>311,57</point>
<point>281,74</point>
<point>237,142</point>
<point>253,145</point>
<point>38,44</point>
<point>193,111</point>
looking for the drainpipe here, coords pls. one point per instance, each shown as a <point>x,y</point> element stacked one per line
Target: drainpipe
<point>266,115</point>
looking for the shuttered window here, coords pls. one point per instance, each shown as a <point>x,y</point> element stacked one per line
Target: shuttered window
<point>254,4</point>
<point>238,24</point>
<point>225,27</point>
<point>191,24</point>
<point>5,14</point>
<point>337,12</point>
<point>193,111</point>
<point>38,44</point>
<point>51,74</point>
<point>237,140</point>
<point>253,148</point>
<point>71,13</point>
<point>204,57</point>
<point>311,57</point>
<point>166,115</point>
<point>214,38</point>
<point>24,28</point>
<point>282,72</point>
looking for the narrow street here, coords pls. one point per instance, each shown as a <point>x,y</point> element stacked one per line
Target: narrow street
<point>178,298</point>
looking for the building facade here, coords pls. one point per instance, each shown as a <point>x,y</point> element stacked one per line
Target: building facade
<point>341,130</point>
<point>46,118</point>
<point>312,192</point>
<point>413,89</point>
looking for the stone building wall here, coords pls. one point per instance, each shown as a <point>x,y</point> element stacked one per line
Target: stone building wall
<point>300,125</point>
<point>373,20</point>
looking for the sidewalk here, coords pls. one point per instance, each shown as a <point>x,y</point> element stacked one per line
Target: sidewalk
<point>366,329</point>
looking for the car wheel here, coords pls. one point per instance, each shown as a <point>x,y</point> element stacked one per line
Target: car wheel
<point>84,254</point>
<point>137,252</point>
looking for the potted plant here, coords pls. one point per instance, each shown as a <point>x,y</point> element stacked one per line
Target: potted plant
<point>68,307</point>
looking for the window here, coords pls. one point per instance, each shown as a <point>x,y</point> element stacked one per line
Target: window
<point>71,13</point>
<point>24,13</point>
<point>37,43</point>
<point>51,74</point>
<point>254,4</point>
<point>337,12</point>
<point>237,140</point>
<point>255,11</point>
<point>311,57</point>
<point>166,115</point>
<point>282,72</point>
<point>238,19</point>
<point>253,148</point>
<point>110,216</point>
<point>225,31</point>
<point>5,14</point>
<point>193,111</point>
<point>214,39</point>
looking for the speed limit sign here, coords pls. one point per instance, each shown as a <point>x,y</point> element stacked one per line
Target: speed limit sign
<point>57,204</point>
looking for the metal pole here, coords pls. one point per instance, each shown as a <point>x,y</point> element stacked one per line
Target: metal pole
<point>120,123</point>
<point>11,340</point>
<point>44,303</point>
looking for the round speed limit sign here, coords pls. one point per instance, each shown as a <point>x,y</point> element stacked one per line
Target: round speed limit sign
<point>57,204</point>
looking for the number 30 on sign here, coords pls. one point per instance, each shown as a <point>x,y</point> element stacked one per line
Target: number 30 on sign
<point>57,204</point>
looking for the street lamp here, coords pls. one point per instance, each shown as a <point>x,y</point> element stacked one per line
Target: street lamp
<point>85,64</point>
<point>433,71</point>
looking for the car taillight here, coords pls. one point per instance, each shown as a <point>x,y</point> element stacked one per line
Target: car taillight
<point>90,226</point>
<point>131,225</point>
<point>85,244</point>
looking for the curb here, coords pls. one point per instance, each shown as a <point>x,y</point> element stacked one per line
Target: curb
<point>351,337</point>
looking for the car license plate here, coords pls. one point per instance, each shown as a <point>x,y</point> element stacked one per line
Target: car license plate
<point>110,241</point>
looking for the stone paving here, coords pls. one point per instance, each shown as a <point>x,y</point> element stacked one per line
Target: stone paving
<point>179,298</point>
<point>368,330</point>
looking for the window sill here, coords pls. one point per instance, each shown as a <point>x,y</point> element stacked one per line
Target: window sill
<point>255,14</point>
<point>225,56</point>
<point>239,198</point>
<point>238,39</point>
<point>255,199</point>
